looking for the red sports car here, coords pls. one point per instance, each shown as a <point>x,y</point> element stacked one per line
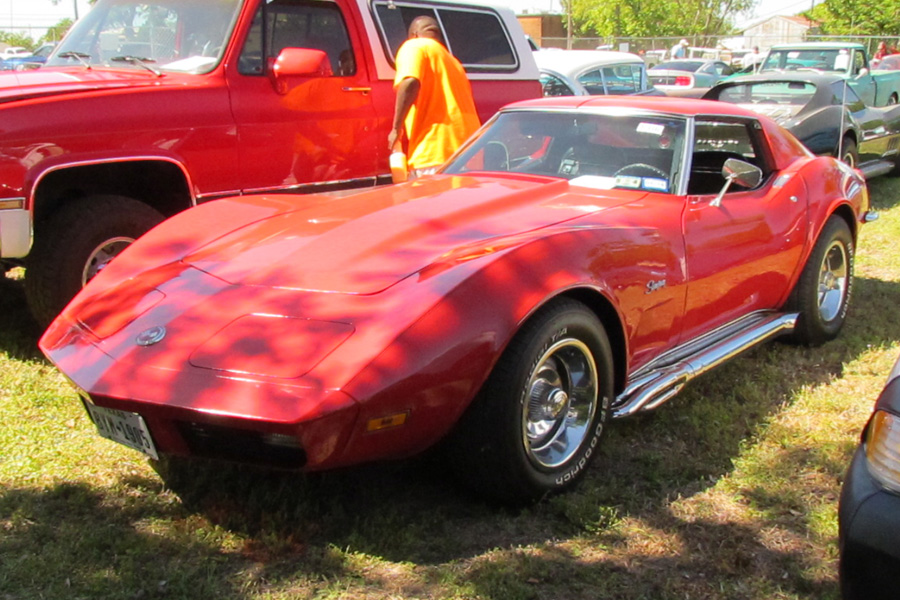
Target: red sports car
<point>578,259</point>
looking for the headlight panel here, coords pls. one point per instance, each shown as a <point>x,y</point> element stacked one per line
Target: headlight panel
<point>883,449</point>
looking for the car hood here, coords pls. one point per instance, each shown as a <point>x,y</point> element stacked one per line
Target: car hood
<point>366,242</point>
<point>20,85</point>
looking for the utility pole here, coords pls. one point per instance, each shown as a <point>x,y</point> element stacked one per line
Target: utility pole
<point>75,2</point>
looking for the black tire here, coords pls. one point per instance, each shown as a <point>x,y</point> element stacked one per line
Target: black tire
<point>822,295</point>
<point>553,382</point>
<point>893,99</point>
<point>74,243</point>
<point>849,152</point>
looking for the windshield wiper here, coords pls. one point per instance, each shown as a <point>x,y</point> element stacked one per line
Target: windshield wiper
<point>81,56</point>
<point>140,61</point>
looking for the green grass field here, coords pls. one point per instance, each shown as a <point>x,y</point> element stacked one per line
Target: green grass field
<point>729,491</point>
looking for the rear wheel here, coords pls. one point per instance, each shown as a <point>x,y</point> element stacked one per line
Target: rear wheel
<point>849,152</point>
<point>822,295</point>
<point>538,420</point>
<point>75,244</point>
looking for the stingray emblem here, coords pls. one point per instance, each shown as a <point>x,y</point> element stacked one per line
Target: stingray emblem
<point>151,336</point>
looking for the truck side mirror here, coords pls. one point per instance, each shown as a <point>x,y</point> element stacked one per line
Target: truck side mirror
<point>298,62</point>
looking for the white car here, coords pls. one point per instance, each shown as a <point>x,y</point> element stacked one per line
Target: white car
<point>14,51</point>
<point>592,73</point>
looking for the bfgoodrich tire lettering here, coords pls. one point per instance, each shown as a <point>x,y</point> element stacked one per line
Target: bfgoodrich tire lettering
<point>75,243</point>
<point>822,295</point>
<point>538,421</point>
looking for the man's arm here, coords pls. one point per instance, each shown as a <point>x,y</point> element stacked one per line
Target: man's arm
<point>407,92</point>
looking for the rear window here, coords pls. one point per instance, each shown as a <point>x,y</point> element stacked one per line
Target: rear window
<point>476,37</point>
<point>794,93</point>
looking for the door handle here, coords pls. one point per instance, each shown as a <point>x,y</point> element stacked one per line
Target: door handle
<point>362,90</point>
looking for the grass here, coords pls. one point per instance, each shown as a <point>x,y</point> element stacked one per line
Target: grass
<point>730,491</point>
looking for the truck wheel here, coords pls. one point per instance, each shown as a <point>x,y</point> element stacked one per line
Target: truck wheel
<point>536,424</point>
<point>849,153</point>
<point>893,99</point>
<point>822,295</point>
<point>75,243</point>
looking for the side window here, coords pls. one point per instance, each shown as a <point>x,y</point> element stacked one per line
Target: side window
<point>554,86</point>
<point>622,79</point>
<point>714,143</point>
<point>592,82</point>
<point>297,24</point>
<point>859,62</point>
<point>476,37</point>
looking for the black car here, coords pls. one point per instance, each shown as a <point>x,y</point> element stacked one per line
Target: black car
<point>869,513</point>
<point>825,114</point>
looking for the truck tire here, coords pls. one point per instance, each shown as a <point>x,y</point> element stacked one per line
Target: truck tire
<point>75,243</point>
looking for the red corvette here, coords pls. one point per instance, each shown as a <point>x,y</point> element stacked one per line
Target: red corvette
<point>578,259</point>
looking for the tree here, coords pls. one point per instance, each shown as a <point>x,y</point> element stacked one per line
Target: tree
<point>658,18</point>
<point>17,39</point>
<point>857,17</point>
<point>56,33</point>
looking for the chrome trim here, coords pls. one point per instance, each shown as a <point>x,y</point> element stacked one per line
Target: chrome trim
<point>871,216</point>
<point>310,188</point>
<point>659,381</point>
<point>124,159</point>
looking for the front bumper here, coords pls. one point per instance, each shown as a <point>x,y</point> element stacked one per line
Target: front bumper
<point>869,518</point>
<point>15,229</point>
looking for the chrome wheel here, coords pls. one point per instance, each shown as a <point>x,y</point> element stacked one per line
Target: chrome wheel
<point>833,281</point>
<point>561,403</point>
<point>101,256</point>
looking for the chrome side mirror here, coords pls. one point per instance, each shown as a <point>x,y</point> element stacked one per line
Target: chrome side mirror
<point>740,172</point>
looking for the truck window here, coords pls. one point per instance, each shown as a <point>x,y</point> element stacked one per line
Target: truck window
<point>297,24</point>
<point>476,37</point>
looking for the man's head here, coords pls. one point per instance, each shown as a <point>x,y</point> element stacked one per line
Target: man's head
<point>426,27</point>
<point>683,43</point>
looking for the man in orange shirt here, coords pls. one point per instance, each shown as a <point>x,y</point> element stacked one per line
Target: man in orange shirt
<point>434,99</point>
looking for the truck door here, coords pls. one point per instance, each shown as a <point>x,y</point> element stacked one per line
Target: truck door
<point>319,129</point>
<point>862,82</point>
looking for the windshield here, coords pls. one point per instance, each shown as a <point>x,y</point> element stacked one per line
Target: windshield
<point>833,60</point>
<point>605,151</point>
<point>779,100</point>
<point>169,35</point>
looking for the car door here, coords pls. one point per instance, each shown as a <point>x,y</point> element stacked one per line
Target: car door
<point>873,142</point>
<point>320,129</point>
<point>740,253</point>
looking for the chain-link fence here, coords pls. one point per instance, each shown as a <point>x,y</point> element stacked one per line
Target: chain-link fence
<point>727,48</point>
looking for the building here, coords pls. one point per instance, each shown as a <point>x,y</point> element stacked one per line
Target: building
<point>779,29</point>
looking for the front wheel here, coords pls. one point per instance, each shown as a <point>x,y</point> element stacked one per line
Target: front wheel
<point>539,418</point>
<point>849,152</point>
<point>822,295</point>
<point>75,244</point>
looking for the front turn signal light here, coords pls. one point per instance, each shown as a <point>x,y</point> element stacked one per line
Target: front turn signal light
<point>883,449</point>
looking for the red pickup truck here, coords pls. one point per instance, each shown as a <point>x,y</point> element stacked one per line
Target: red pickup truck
<point>146,109</point>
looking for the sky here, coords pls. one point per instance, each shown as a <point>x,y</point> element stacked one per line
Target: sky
<point>40,14</point>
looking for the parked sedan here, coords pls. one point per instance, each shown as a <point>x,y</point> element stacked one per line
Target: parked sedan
<point>577,260</point>
<point>592,73</point>
<point>30,60</point>
<point>688,77</point>
<point>824,113</point>
<point>869,512</point>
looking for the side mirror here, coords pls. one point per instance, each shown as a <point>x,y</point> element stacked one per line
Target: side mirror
<point>740,172</point>
<point>298,62</point>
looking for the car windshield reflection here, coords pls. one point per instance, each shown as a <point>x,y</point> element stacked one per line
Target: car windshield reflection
<point>605,151</point>
<point>169,35</point>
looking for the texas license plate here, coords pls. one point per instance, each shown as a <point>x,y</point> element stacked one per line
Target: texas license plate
<point>127,428</point>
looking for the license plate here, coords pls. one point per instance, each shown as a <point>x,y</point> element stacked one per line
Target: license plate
<point>127,428</point>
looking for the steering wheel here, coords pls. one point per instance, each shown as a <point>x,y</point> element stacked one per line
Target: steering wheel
<point>641,166</point>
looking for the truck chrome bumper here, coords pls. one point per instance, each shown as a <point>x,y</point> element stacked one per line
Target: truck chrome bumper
<point>15,229</point>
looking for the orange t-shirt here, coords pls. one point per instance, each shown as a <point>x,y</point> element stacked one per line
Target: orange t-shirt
<point>443,115</point>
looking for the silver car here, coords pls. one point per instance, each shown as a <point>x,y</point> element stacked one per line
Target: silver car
<point>688,77</point>
<point>592,73</point>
